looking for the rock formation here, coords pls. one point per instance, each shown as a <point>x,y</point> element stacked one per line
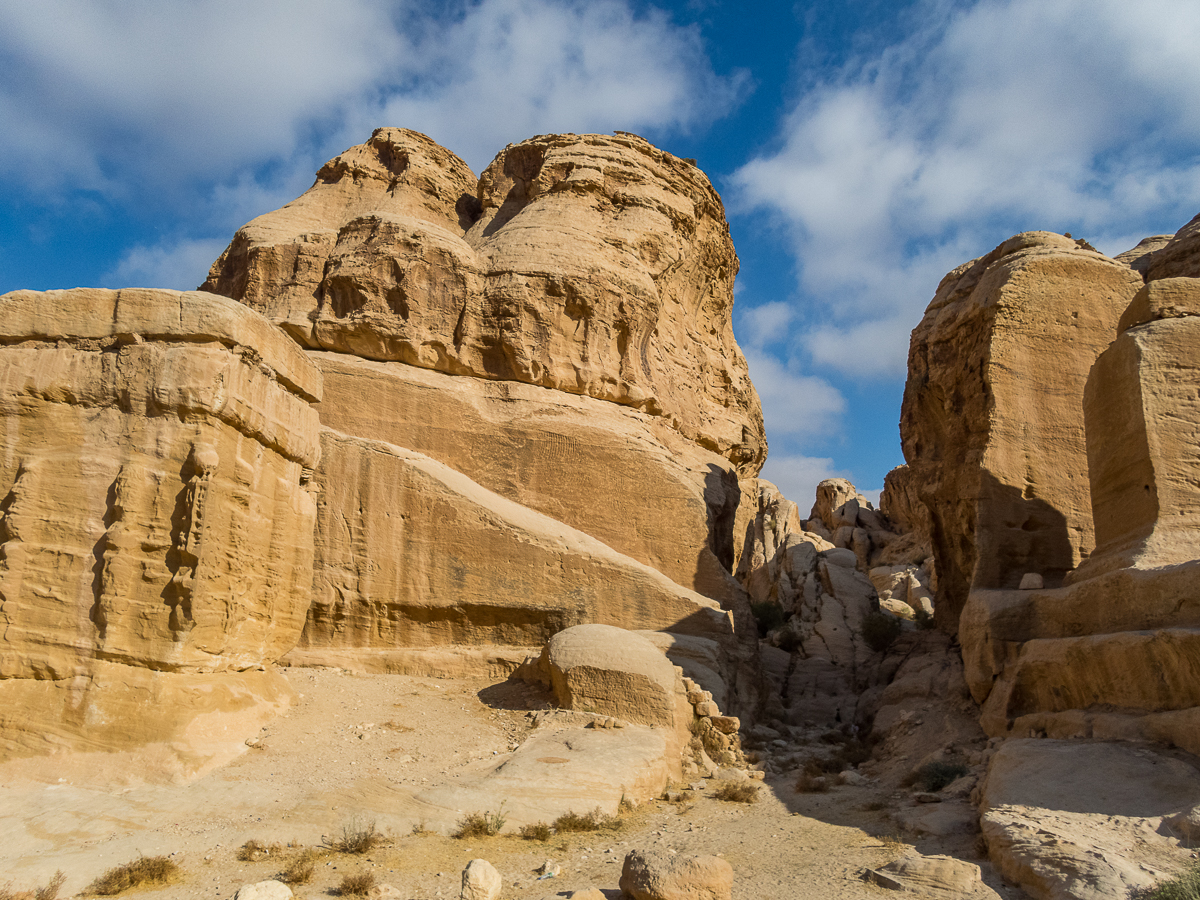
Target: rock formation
<point>591,264</point>
<point>536,418</point>
<point>992,420</point>
<point>1113,654</point>
<point>583,287</point>
<point>157,522</point>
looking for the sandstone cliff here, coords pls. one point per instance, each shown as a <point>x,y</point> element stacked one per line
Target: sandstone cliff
<point>156,513</point>
<point>590,264</point>
<point>992,421</point>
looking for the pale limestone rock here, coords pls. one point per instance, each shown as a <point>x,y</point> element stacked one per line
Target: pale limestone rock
<point>935,877</point>
<point>264,890</point>
<point>591,893</point>
<point>386,892</point>
<point>1014,331</point>
<point>833,495</point>
<point>1185,824</point>
<point>590,264</point>
<point>1073,819</point>
<point>413,554</point>
<point>157,513</point>
<point>1031,581</point>
<point>480,881</point>
<point>656,875</point>
<point>620,475</point>
<point>1179,257</point>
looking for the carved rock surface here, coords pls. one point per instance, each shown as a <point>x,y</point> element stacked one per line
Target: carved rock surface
<point>156,515</point>
<point>992,422</point>
<point>655,875</point>
<point>590,264</point>
<point>411,553</point>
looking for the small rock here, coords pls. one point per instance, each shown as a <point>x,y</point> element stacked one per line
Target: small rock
<point>549,869</point>
<point>726,724</point>
<point>264,890</point>
<point>385,892</point>
<point>935,877</point>
<point>927,797</point>
<point>480,881</point>
<point>1030,581</point>
<point>591,893</point>
<point>655,875</point>
<point>852,778</point>
<point>707,708</point>
<point>696,786</point>
<point>1185,824</point>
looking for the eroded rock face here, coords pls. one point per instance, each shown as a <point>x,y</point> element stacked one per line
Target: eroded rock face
<point>1114,653</point>
<point>411,553</point>
<point>590,264</point>
<point>1179,257</point>
<point>156,513</point>
<point>992,423</point>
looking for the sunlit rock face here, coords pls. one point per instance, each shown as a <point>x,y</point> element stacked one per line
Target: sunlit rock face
<point>591,264</point>
<point>156,511</point>
<point>992,420</point>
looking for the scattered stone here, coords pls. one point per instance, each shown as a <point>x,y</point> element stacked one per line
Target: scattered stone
<point>656,875</point>
<point>934,877</point>
<point>480,881</point>
<point>385,891</point>
<point>264,890</point>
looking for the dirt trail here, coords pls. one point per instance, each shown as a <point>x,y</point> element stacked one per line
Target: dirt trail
<point>353,750</point>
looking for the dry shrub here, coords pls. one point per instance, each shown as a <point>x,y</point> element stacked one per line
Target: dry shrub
<point>737,791</point>
<point>358,838</point>
<point>253,850</point>
<point>538,831</point>
<point>396,726</point>
<point>812,778</point>
<point>143,870</point>
<point>356,884</point>
<point>936,775</point>
<point>484,824</point>
<point>572,821</point>
<point>48,892</point>
<point>1184,886</point>
<point>300,869</point>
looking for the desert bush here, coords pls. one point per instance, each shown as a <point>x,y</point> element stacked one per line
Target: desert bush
<point>358,838</point>
<point>484,824</point>
<point>254,850</point>
<point>1184,886</point>
<point>538,831</point>
<point>936,775</point>
<point>737,791</point>
<point>143,870</point>
<point>47,892</point>
<point>300,869</point>
<point>923,619</point>
<point>811,779</point>
<point>357,884</point>
<point>879,630</point>
<point>572,821</point>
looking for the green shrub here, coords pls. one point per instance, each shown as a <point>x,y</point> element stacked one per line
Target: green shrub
<point>1184,886</point>
<point>879,630</point>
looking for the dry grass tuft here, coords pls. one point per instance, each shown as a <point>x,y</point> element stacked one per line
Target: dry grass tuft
<point>572,821</point>
<point>358,838</point>
<point>812,779</point>
<point>484,824</point>
<point>538,831</point>
<point>737,791</point>
<point>142,871</point>
<point>253,850</point>
<point>300,869</point>
<point>356,885</point>
<point>48,892</point>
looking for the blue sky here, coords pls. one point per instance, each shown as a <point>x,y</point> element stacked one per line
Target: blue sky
<point>863,148</point>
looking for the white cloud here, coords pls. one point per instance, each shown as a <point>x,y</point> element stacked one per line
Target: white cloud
<point>141,94</point>
<point>797,477</point>
<point>793,403</point>
<point>182,266</point>
<point>1005,115</point>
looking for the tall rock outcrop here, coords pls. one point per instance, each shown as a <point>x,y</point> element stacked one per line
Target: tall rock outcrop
<point>591,264</point>
<point>157,523</point>
<point>1114,654</point>
<point>992,421</point>
<point>559,332</point>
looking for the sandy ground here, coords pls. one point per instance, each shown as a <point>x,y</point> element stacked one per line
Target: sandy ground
<point>354,749</point>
